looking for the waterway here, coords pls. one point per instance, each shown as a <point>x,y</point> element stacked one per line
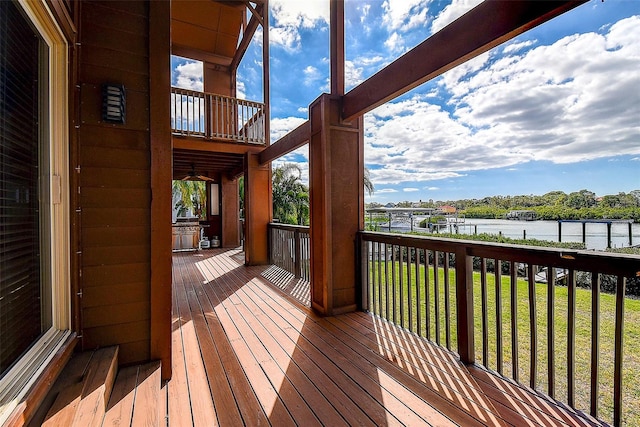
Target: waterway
<point>596,234</point>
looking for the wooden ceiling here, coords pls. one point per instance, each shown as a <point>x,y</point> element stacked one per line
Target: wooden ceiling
<point>207,29</point>
<point>210,164</point>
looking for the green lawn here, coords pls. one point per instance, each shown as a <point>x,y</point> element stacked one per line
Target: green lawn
<point>631,361</point>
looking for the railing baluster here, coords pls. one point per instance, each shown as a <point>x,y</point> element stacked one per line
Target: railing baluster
<point>533,322</point>
<point>551,348</point>
<point>436,296</point>
<point>498,290</point>
<point>427,305</point>
<point>418,293</point>
<point>379,282</point>
<point>464,306</point>
<point>571,339</point>
<point>409,293</point>
<point>393,282</point>
<point>514,321</point>
<point>595,341</point>
<point>386,281</point>
<point>618,351</point>
<point>484,311</point>
<point>447,302</point>
<point>401,284</point>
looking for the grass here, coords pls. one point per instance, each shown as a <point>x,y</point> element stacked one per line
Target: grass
<point>631,360</point>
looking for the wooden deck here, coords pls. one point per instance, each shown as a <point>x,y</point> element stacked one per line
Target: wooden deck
<point>248,351</point>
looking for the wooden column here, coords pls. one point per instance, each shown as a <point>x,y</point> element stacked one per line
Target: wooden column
<point>258,210</point>
<point>336,173</point>
<point>230,213</point>
<point>160,135</point>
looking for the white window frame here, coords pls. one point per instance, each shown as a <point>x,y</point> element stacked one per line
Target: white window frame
<point>19,379</point>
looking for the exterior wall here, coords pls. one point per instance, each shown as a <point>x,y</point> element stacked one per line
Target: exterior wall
<point>114,180</point>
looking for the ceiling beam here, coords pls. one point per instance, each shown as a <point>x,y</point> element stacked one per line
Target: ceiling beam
<point>216,147</point>
<point>482,28</point>
<point>336,29</point>
<point>294,139</point>
<point>200,55</point>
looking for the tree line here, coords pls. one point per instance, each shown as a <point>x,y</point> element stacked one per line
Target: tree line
<point>554,205</point>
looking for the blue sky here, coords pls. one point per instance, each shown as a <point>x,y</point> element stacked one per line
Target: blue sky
<point>557,108</point>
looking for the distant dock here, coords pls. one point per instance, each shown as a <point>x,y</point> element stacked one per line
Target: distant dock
<point>608,223</point>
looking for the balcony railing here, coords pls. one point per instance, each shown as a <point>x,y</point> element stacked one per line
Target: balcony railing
<point>528,327</point>
<point>217,117</point>
<point>290,249</point>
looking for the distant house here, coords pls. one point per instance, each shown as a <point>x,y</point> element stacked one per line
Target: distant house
<point>446,209</point>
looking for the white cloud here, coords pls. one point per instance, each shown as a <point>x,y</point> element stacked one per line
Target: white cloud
<point>282,126</point>
<point>404,15</point>
<point>432,188</point>
<point>456,9</point>
<point>410,189</point>
<point>386,190</point>
<point>289,16</point>
<point>394,43</point>
<point>311,75</point>
<point>576,99</point>
<point>189,76</point>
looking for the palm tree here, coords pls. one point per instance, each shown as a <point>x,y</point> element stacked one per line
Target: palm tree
<point>192,197</point>
<point>368,184</point>
<point>290,195</point>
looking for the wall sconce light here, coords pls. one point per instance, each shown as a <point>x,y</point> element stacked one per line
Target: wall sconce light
<point>113,103</point>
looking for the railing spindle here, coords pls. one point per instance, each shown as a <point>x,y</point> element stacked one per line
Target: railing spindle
<point>551,364</point>
<point>436,296</point>
<point>418,294</point>
<point>386,280</point>
<point>427,305</point>
<point>571,339</point>
<point>401,284</point>
<point>379,281</point>
<point>409,293</point>
<point>514,321</point>
<point>618,351</point>
<point>393,282</point>
<point>447,301</point>
<point>533,322</point>
<point>595,341</point>
<point>498,290</point>
<point>484,311</point>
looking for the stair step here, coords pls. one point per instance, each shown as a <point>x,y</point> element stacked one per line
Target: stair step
<point>136,397</point>
<point>85,391</point>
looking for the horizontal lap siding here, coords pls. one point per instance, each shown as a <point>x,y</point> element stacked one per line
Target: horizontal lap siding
<point>115,180</point>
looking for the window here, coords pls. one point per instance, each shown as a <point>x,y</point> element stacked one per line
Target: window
<point>34,229</point>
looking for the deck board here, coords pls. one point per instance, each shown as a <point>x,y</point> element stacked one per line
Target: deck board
<point>248,350</point>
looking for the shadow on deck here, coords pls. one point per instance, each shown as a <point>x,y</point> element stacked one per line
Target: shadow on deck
<point>247,350</point>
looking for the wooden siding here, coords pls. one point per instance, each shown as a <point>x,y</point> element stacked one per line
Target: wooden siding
<point>114,180</point>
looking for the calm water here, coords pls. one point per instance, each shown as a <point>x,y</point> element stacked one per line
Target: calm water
<point>596,234</point>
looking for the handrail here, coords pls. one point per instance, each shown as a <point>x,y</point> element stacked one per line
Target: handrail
<point>219,117</point>
<point>424,283</point>
<point>290,249</point>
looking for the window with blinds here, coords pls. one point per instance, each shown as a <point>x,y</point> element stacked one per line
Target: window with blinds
<point>24,295</point>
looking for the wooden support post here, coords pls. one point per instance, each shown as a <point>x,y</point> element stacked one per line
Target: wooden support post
<point>160,139</point>
<point>230,213</point>
<point>609,235</point>
<point>464,306</point>
<point>336,172</point>
<point>258,210</point>
<point>630,233</point>
<point>584,232</point>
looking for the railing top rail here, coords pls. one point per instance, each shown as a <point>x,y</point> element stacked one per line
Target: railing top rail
<point>582,260</point>
<point>196,93</point>
<point>289,226</point>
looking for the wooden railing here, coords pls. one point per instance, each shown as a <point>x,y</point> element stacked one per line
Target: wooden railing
<point>445,290</point>
<point>289,249</point>
<point>218,117</point>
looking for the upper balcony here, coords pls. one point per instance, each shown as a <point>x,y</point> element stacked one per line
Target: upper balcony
<point>217,117</point>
